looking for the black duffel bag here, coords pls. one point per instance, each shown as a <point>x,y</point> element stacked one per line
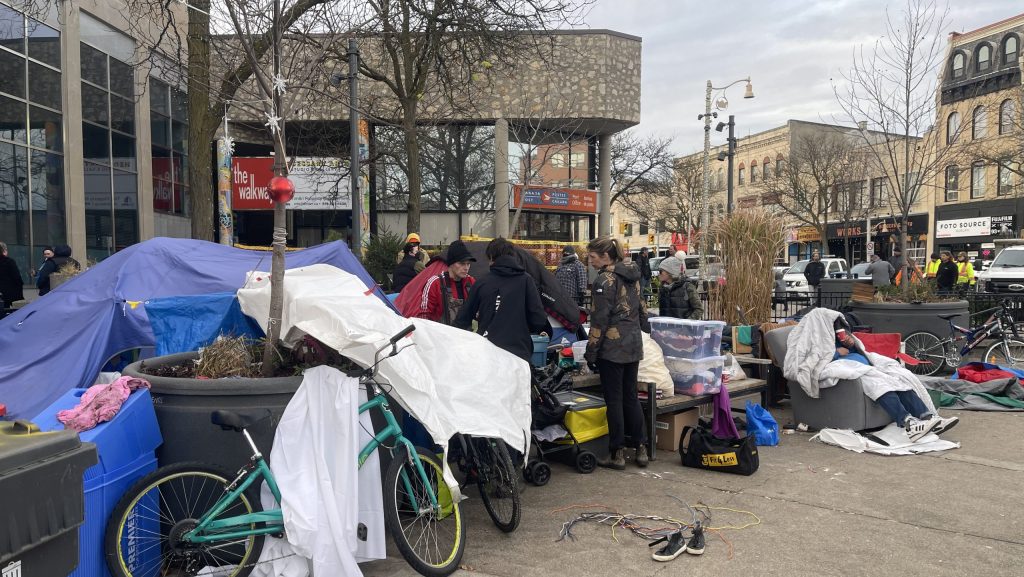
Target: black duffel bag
<point>706,451</point>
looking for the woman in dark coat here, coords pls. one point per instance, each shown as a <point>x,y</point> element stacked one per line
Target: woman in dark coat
<point>616,346</point>
<point>945,276</point>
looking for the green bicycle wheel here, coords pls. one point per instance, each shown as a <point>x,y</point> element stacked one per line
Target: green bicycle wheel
<point>431,540</point>
<point>143,536</point>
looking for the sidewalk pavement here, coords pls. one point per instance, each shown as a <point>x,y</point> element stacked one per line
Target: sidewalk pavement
<point>823,511</point>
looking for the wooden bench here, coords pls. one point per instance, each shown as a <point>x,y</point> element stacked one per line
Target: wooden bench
<point>678,403</point>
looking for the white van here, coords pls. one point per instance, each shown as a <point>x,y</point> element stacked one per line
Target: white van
<point>797,282</point>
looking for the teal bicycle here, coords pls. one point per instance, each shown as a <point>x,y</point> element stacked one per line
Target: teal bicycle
<point>192,518</point>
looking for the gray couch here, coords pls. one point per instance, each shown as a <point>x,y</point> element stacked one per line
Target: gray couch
<point>844,406</point>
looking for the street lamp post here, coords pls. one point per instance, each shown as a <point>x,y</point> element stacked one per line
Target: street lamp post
<point>705,216</point>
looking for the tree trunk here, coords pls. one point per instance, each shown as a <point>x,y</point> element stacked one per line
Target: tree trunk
<point>200,131</point>
<point>412,152</point>
<point>276,289</point>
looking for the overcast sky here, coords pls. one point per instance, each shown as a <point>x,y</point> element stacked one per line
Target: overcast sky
<point>790,49</point>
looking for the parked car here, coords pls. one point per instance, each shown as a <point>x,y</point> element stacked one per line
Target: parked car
<point>1006,274</point>
<point>794,277</point>
<point>859,271</point>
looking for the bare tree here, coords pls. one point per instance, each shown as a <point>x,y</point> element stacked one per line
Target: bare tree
<point>812,185</point>
<point>636,162</point>
<point>891,87</point>
<point>671,198</point>
<point>437,46</point>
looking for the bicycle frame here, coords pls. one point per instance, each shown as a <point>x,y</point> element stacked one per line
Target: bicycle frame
<point>975,336</point>
<point>209,528</point>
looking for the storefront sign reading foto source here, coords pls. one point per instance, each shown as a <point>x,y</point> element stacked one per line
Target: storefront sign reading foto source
<point>980,226</point>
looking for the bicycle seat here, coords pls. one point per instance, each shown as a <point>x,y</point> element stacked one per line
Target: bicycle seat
<point>948,317</point>
<point>236,421</point>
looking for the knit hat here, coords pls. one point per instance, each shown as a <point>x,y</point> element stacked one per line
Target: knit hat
<point>568,250</point>
<point>671,265</point>
<point>457,252</point>
<point>413,237</point>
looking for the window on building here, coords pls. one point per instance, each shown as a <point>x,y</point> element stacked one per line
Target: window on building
<point>108,145</point>
<point>558,160</point>
<point>983,58</point>
<point>778,165</point>
<point>753,172</point>
<point>576,159</point>
<point>979,123</point>
<point>879,191</point>
<point>858,194</point>
<point>644,228</point>
<point>952,127</point>
<point>740,174</point>
<point>952,183</point>
<point>1007,116</point>
<point>911,187</point>
<point>1007,181</point>
<point>1011,49</point>
<point>978,180</point>
<point>32,204</point>
<point>958,64</point>
<point>168,114</point>
<point>766,167</point>
<point>720,182</point>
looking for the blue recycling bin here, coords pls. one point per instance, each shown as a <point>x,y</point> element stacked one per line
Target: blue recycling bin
<point>127,452</point>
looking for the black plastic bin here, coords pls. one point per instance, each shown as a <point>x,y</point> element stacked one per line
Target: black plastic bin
<point>42,498</point>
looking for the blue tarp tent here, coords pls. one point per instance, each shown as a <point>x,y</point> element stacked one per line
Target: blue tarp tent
<point>62,340</point>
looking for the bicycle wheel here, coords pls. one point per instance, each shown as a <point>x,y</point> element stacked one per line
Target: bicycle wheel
<point>143,535</point>
<point>497,481</point>
<point>432,541</point>
<point>927,348</point>
<point>998,356</point>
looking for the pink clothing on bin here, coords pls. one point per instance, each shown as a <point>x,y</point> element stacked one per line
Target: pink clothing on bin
<point>100,403</point>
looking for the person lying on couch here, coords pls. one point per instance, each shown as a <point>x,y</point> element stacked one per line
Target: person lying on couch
<point>904,406</point>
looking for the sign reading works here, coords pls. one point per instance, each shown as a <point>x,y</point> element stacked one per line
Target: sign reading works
<point>320,184</point>
<point>557,199</point>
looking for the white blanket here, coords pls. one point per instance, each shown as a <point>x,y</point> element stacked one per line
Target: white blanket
<point>882,376</point>
<point>452,381</point>
<point>810,348</point>
<point>892,440</point>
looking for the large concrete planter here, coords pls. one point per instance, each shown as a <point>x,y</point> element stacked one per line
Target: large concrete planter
<point>183,408</point>
<point>906,318</point>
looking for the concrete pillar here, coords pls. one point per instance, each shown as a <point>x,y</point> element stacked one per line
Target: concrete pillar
<point>502,199</point>
<point>604,199</point>
<point>74,167</point>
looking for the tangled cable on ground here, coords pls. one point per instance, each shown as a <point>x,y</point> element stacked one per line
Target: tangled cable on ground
<point>653,527</point>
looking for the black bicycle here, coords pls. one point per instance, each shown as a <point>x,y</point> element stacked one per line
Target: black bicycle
<point>487,462</point>
<point>934,353</point>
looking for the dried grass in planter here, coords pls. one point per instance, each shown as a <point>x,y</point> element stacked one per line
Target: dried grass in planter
<point>226,357</point>
<point>749,240</point>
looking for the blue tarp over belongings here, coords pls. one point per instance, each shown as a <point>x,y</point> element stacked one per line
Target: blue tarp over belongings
<point>182,324</point>
<point>61,340</point>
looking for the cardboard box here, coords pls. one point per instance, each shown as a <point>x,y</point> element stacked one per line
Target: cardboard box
<point>669,427</point>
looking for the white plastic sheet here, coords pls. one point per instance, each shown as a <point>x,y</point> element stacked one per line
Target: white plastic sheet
<point>452,381</point>
<point>894,441</point>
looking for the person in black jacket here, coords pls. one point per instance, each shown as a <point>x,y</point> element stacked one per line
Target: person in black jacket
<point>616,346</point>
<point>678,297</point>
<point>61,257</point>
<point>945,277</point>
<point>405,270</point>
<point>814,272</point>
<point>505,303</point>
<point>643,261</point>
<point>10,278</point>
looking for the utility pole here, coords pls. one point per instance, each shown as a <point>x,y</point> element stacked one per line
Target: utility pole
<point>731,153</point>
<point>353,144</point>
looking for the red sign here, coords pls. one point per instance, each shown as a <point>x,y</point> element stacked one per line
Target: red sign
<point>249,180</point>
<point>557,199</point>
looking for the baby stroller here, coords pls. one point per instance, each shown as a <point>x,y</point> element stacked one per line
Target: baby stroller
<point>555,404</point>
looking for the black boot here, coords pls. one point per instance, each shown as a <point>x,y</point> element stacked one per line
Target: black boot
<point>615,460</point>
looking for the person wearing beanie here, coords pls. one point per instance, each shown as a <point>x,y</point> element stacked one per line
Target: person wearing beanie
<point>678,296</point>
<point>407,269</point>
<point>422,256</point>
<point>572,275</point>
<point>444,294</point>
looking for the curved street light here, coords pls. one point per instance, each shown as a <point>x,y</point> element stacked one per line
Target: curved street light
<point>722,104</point>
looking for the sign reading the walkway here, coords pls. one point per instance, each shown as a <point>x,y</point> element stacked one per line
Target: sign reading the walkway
<point>980,226</point>
<point>556,199</point>
<point>320,184</point>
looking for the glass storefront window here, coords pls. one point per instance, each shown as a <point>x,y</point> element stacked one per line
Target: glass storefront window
<point>32,201</point>
<point>169,126</point>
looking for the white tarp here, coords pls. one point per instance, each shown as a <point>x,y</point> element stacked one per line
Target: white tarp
<point>325,495</point>
<point>892,440</point>
<point>452,381</point>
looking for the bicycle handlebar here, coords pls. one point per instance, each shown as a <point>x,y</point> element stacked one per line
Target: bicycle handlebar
<point>402,334</point>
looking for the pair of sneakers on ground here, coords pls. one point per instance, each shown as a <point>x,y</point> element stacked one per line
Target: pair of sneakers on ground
<point>928,423</point>
<point>617,459</point>
<point>677,544</point>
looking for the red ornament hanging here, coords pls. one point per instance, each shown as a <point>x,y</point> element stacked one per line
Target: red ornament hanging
<point>281,189</point>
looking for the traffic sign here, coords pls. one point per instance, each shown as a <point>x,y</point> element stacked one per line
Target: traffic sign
<point>871,248</point>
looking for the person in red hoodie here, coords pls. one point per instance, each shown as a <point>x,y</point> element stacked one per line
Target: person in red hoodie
<point>443,295</point>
